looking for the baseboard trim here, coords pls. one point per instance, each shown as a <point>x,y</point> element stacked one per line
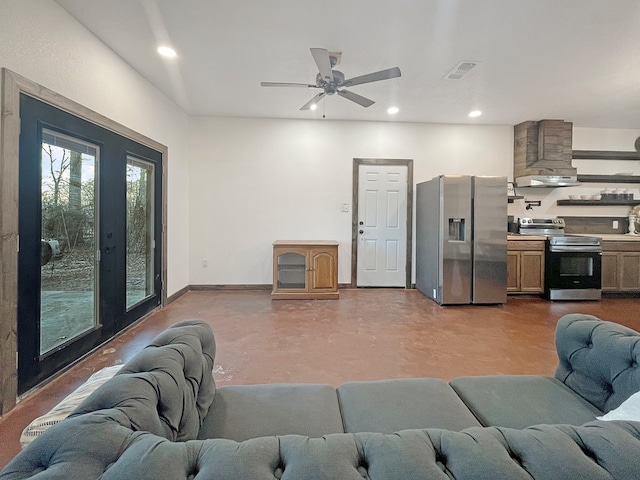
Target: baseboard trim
<point>621,294</point>
<point>196,288</point>
<point>231,287</point>
<point>177,295</point>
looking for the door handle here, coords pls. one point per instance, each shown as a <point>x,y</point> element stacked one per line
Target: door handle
<point>361,232</point>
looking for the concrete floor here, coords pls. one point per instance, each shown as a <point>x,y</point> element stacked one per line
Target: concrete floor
<point>368,334</point>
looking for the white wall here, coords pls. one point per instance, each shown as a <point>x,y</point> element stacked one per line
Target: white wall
<point>41,42</point>
<point>235,185</point>
<point>254,181</point>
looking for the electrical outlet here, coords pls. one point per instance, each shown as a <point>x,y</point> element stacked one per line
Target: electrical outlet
<point>615,224</point>
<point>205,263</point>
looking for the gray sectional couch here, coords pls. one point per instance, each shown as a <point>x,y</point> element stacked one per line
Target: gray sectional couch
<point>161,417</point>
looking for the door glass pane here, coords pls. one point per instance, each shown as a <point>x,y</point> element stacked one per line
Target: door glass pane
<point>140,230</point>
<point>68,269</point>
<point>576,266</point>
<point>291,271</point>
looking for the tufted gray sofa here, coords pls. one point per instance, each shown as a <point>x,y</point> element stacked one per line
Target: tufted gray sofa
<point>158,418</point>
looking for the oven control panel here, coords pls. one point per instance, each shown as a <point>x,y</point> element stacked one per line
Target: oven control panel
<point>540,226</point>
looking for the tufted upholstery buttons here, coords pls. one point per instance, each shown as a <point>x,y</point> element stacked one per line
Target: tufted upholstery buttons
<point>277,473</point>
<point>363,471</point>
<point>597,359</point>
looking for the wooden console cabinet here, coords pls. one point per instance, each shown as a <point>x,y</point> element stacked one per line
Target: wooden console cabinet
<point>525,266</point>
<point>620,266</point>
<point>305,269</point>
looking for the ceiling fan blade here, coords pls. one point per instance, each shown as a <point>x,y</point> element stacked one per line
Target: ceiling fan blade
<point>321,57</point>
<point>354,97</point>
<point>285,84</point>
<point>373,77</point>
<point>313,101</point>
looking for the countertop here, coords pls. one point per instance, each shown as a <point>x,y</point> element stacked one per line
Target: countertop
<point>512,236</point>
<point>613,237</point>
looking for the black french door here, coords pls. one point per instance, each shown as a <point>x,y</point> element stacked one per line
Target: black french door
<point>90,233</point>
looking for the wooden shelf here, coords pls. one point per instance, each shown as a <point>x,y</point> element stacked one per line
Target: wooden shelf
<point>604,155</point>
<point>598,202</point>
<point>609,178</point>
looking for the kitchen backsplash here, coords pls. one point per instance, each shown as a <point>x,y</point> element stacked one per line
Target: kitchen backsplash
<point>595,224</point>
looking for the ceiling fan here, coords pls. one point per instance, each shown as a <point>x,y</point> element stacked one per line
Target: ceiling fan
<point>332,81</point>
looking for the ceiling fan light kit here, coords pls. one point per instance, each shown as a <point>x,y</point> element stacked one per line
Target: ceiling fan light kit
<point>333,81</point>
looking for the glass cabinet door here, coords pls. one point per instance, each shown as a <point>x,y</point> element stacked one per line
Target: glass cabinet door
<point>292,271</point>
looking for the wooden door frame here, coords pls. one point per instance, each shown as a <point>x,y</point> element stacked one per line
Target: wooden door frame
<point>11,86</point>
<point>357,162</point>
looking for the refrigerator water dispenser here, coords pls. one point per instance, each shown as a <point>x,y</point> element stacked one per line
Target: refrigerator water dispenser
<point>456,230</point>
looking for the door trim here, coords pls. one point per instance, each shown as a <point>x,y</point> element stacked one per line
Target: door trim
<point>12,85</point>
<point>354,216</point>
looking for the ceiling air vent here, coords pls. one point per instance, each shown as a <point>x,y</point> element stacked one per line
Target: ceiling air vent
<point>460,70</point>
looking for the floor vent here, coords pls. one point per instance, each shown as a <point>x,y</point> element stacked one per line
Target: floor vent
<point>460,70</point>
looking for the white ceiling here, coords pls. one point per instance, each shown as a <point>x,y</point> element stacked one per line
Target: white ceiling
<point>576,60</point>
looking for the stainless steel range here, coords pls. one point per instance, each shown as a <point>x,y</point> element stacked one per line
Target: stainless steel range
<point>573,265</point>
<point>540,226</point>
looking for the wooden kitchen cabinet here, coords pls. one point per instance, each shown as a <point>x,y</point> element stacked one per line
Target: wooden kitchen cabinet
<point>305,269</point>
<point>610,271</point>
<point>620,266</point>
<point>525,266</point>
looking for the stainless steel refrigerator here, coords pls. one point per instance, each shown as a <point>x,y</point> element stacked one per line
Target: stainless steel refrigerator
<point>461,239</point>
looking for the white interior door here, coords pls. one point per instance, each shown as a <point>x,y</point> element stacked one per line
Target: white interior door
<point>382,225</point>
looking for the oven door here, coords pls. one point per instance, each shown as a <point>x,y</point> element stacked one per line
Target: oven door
<point>573,275</point>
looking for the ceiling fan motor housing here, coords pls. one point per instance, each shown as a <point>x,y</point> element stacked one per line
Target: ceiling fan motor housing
<point>330,87</point>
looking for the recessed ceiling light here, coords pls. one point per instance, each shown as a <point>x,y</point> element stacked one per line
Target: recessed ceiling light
<point>392,110</point>
<point>475,113</point>
<point>166,51</point>
<point>313,106</point>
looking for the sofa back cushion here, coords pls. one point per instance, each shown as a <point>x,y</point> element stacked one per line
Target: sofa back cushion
<point>598,360</point>
<point>167,388</point>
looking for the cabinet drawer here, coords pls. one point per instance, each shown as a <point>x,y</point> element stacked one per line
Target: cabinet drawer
<point>519,245</point>
<point>631,246</point>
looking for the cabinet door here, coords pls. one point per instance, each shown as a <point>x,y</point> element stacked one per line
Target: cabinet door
<point>610,271</point>
<point>290,270</point>
<point>513,271</point>
<point>630,271</point>
<point>323,270</point>
<point>532,272</point>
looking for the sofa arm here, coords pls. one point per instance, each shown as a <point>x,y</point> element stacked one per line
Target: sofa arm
<point>598,360</point>
<point>165,389</point>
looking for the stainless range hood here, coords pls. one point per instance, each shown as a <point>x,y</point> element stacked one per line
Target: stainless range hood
<point>551,181</point>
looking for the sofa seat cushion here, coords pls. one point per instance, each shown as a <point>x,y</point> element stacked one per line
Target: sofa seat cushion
<point>519,401</point>
<point>241,412</point>
<point>388,406</point>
